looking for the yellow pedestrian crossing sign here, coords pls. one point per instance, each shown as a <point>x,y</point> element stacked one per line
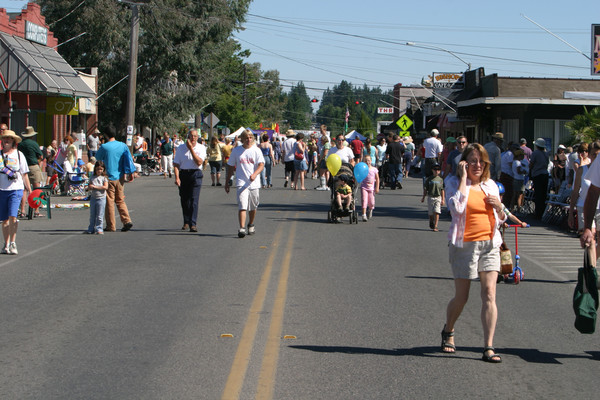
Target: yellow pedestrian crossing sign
<point>404,123</point>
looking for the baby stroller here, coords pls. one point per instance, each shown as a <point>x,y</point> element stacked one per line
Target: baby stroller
<point>71,181</point>
<point>148,164</point>
<point>335,213</point>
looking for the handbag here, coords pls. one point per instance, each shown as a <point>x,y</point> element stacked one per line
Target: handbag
<point>506,263</point>
<point>298,155</point>
<point>585,297</point>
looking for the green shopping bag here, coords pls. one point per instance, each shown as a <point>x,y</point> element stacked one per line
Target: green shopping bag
<point>585,297</point>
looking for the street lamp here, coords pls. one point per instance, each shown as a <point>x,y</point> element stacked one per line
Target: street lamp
<point>440,49</point>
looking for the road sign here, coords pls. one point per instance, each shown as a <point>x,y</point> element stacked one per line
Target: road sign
<point>404,123</point>
<point>212,120</point>
<point>385,110</point>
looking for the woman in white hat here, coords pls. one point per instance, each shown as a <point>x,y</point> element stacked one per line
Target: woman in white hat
<point>538,170</point>
<point>13,179</point>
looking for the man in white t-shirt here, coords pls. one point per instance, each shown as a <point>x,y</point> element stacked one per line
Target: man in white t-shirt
<point>247,161</point>
<point>344,152</point>
<point>287,154</point>
<point>433,150</point>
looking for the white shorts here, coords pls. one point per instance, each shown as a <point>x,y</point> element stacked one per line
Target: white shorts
<point>434,205</point>
<point>472,258</point>
<point>247,199</point>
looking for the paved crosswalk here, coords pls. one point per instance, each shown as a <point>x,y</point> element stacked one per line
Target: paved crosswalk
<point>557,252</point>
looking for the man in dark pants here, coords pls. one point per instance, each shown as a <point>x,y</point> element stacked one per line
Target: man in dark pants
<point>31,150</point>
<point>394,153</point>
<point>188,161</point>
<point>538,170</point>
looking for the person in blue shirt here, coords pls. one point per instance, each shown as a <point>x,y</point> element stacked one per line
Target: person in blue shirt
<point>119,168</point>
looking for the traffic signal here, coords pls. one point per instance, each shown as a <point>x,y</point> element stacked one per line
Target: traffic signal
<point>357,102</point>
<point>315,100</point>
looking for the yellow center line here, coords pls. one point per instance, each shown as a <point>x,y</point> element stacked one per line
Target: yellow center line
<point>266,379</point>
<point>234,383</point>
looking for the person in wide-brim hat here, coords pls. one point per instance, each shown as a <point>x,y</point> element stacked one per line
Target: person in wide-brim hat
<point>11,134</point>
<point>29,132</point>
<point>498,136</point>
<point>290,133</point>
<point>539,142</point>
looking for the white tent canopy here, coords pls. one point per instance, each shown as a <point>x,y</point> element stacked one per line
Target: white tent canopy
<point>236,133</point>
<point>353,135</point>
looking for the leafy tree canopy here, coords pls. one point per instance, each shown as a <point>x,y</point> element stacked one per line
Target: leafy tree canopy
<point>585,127</point>
<point>183,45</point>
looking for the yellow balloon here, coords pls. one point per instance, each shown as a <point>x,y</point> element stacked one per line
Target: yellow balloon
<point>334,162</point>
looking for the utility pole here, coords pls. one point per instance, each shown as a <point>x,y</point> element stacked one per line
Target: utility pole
<point>244,89</point>
<point>133,62</point>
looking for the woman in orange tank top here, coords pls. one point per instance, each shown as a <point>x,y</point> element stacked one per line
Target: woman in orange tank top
<point>476,209</point>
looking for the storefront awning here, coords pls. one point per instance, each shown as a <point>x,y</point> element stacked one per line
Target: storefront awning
<point>33,68</point>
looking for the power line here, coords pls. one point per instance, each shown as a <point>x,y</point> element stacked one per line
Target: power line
<point>403,43</point>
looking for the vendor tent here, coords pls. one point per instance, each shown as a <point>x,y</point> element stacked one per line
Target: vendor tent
<point>235,134</point>
<point>353,135</point>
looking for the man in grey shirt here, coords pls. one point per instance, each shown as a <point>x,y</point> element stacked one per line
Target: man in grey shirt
<point>493,149</point>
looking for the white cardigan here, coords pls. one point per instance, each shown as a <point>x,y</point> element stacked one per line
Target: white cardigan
<point>457,203</point>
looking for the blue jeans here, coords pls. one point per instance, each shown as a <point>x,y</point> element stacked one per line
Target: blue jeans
<point>265,174</point>
<point>395,172</point>
<point>97,207</point>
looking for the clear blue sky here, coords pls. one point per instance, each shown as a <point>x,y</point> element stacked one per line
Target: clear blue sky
<point>322,42</point>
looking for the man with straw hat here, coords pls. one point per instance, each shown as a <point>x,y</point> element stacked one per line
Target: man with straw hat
<point>13,180</point>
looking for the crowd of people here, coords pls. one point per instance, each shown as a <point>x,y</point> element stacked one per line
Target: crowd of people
<point>481,185</point>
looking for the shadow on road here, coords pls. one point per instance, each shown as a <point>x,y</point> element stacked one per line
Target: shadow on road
<point>527,355</point>
<point>525,281</point>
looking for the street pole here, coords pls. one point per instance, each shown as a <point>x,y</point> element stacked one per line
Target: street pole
<point>133,60</point>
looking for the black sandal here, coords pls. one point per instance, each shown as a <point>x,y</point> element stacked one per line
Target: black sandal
<point>445,344</point>
<point>494,358</point>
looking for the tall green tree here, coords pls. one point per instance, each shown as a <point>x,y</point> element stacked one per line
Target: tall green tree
<point>298,109</point>
<point>344,96</point>
<point>365,125</point>
<point>182,47</point>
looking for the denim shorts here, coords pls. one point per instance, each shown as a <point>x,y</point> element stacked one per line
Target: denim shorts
<point>10,202</point>
<point>215,167</point>
<point>300,165</point>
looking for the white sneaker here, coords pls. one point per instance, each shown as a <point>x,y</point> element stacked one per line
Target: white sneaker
<point>321,188</point>
<point>4,250</point>
<point>251,229</point>
<point>241,233</point>
<point>364,218</point>
<point>12,248</point>
<point>370,213</point>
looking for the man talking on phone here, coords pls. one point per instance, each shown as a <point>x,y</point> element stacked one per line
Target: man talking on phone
<point>187,163</point>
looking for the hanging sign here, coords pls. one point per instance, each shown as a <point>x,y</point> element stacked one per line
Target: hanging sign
<point>595,49</point>
<point>62,106</point>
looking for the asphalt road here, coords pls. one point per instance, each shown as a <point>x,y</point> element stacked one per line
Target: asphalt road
<point>303,309</point>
